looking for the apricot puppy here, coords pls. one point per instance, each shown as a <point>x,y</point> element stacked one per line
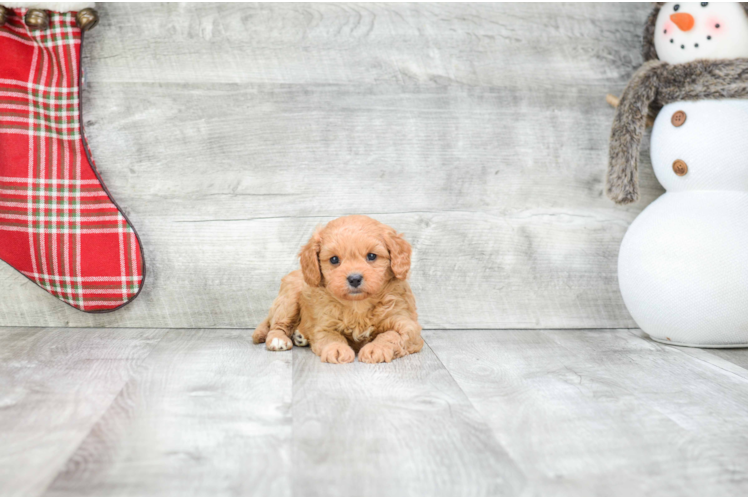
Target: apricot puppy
<point>351,295</point>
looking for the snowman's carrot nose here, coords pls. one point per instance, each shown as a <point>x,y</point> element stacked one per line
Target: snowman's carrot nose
<point>682,20</point>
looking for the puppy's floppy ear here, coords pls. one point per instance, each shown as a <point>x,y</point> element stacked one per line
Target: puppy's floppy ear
<point>309,258</point>
<point>399,254</point>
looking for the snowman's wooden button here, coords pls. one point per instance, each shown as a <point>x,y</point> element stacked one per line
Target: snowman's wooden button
<point>680,168</point>
<point>678,118</point>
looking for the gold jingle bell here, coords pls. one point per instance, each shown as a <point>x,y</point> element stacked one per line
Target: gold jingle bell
<point>37,19</point>
<point>3,15</point>
<point>87,18</point>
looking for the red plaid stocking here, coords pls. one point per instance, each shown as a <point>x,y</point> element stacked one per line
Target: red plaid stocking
<point>58,224</point>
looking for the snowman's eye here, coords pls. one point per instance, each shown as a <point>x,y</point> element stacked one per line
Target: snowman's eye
<point>676,7</point>
<point>704,4</point>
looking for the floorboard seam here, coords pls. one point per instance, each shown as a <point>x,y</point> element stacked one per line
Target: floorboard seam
<point>713,361</point>
<point>478,413</point>
<point>135,371</point>
<point>704,355</point>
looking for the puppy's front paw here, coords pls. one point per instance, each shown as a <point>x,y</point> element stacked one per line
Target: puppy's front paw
<point>337,352</point>
<point>299,339</point>
<point>376,353</point>
<point>277,341</point>
<point>261,333</point>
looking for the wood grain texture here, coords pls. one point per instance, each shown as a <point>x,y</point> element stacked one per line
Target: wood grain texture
<point>229,131</point>
<point>403,428</point>
<point>126,412</point>
<point>341,44</point>
<point>603,412</point>
<point>54,386</point>
<point>738,357</point>
<point>202,417</point>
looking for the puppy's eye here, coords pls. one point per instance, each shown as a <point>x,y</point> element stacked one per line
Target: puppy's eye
<point>371,257</point>
<point>334,260</point>
<point>676,7</point>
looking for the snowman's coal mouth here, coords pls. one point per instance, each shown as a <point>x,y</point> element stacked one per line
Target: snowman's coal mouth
<point>689,45</point>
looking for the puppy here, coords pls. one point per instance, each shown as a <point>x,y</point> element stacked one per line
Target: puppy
<point>351,295</point>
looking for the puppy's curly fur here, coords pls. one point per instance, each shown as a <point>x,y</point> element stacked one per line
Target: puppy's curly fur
<point>319,304</point>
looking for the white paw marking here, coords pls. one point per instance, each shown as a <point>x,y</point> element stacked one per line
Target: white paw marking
<point>278,344</point>
<point>300,340</point>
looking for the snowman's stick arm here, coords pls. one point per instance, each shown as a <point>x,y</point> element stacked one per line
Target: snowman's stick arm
<point>613,101</point>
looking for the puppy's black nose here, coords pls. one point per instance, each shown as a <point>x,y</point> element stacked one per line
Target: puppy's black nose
<point>355,280</point>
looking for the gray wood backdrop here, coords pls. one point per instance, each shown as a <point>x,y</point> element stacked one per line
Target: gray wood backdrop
<point>228,131</point>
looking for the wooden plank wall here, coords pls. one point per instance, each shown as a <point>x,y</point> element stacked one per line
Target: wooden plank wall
<point>229,131</point>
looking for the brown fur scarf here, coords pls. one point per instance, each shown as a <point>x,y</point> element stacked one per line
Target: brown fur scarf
<point>656,84</point>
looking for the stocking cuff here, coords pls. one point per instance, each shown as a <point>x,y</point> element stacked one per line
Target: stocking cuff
<point>53,6</point>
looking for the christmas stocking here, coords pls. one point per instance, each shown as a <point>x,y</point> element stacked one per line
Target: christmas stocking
<point>59,226</point>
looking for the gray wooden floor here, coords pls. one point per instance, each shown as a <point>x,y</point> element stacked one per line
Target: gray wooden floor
<point>513,412</point>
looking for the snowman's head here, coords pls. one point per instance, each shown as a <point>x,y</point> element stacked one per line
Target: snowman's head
<point>684,32</point>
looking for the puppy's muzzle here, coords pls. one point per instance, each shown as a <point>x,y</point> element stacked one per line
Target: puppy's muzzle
<point>355,280</point>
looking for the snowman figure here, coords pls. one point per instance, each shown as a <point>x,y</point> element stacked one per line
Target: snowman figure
<point>683,264</point>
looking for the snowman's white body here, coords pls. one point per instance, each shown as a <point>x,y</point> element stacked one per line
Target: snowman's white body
<point>683,264</point>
